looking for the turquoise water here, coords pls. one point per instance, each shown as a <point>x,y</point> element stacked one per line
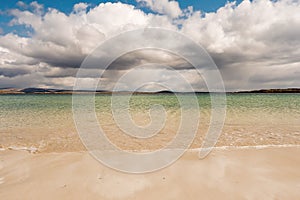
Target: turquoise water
<point>251,118</point>
<point>11,103</point>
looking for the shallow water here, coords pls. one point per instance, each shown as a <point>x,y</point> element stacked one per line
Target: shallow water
<point>46,121</point>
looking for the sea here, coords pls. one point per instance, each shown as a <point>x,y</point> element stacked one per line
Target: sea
<point>45,122</point>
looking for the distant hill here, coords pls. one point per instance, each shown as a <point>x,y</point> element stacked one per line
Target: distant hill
<point>60,91</point>
<point>10,91</point>
<point>44,91</point>
<point>35,90</point>
<point>288,90</point>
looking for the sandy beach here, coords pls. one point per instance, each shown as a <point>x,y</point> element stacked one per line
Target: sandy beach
<point>243,173</point>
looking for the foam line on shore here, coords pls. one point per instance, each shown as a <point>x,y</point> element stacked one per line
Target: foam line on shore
<point>35,149</point>
<point>249,147</point>
<point>21,148</point>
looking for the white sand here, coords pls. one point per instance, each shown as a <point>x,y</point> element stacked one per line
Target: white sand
<point>270,173</point>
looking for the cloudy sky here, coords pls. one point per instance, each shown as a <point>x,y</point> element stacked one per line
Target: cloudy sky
<point>255,44</point>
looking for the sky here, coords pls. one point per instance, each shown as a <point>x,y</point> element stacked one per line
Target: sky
<point>255,44</point>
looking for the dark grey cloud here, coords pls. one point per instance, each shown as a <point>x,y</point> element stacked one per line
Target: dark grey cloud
<point>147,56</point>
<point>12,72</point>
<point>283,76</point>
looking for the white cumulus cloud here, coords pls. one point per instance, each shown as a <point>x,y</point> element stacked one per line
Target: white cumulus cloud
<point>255,44</point>
<point>170,8</point>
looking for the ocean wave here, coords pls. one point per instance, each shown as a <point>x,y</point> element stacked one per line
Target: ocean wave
<point>35,149</point>
<point>248,147</point>
<point>29,149</point>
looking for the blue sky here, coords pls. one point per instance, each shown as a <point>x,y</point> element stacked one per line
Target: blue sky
<point>67,6</point>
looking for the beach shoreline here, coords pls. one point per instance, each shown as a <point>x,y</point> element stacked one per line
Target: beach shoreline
<point>249,173</point>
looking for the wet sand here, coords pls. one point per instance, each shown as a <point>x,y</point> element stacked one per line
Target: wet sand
<point>249,173</point>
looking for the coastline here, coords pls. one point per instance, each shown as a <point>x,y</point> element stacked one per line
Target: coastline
<point>256,156</point>
<point>46,91</point>
<point>268,173</point>
<point>35,150</point>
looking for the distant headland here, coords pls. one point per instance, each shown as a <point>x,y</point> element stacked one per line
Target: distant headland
<point>61,91</point>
